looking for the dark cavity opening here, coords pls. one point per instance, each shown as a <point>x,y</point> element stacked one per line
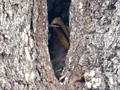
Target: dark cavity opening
<point>58,35</point>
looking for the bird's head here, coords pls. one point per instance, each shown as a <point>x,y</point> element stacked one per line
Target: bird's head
<point>56,21</point>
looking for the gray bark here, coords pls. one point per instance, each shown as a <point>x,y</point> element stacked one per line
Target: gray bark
<point>95,33</point>
<point>23,45</point>
<point>94,52</point>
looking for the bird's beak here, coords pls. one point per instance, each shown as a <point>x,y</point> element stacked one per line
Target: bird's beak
<point>52,25</point>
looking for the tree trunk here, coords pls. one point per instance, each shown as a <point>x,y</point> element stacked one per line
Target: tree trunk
<point>93,58</point>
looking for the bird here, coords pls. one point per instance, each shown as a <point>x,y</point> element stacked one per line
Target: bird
<point>58,21</point>
<point>63,33</point>
<point>59,44</point>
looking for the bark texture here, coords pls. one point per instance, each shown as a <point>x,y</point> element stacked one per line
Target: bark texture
<point>94,52</point>
<point>23,45</point>
<point>95,33</point>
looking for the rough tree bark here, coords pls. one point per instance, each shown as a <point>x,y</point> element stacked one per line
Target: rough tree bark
<point>95,33</point>
<point>94,52</point>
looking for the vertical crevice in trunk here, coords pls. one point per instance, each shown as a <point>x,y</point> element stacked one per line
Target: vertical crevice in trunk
<point>58,18</point>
